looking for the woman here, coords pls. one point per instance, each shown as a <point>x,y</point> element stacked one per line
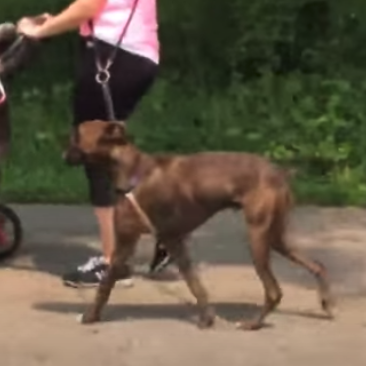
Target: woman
<point>132,74</point>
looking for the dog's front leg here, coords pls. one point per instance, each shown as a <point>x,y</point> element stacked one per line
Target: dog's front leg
<point>105,287</point>
<point>179,252</point>
<point>117,268</point>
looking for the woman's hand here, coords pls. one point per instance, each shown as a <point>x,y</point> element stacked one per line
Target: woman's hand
<point>30,26</point>
<point>45,26</point>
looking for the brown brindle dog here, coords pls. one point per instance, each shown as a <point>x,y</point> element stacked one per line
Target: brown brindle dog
<point>175,194</point>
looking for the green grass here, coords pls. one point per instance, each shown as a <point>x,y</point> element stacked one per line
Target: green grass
<point>168,120</point>
<point>34,171</point>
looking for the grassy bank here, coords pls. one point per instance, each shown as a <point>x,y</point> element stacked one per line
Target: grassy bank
<point>282,118</point>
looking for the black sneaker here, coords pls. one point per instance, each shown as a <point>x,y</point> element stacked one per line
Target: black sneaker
<point>90,274</point>
<point>161,259</point>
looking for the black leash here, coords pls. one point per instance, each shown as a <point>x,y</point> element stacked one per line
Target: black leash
<point>103,75</point>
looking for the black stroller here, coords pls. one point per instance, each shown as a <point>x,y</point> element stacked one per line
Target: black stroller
<point>14,51</point>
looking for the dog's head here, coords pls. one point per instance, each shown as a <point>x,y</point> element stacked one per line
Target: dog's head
<point>95,142</point>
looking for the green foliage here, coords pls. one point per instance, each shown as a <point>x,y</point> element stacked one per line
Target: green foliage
<point>284,79</point>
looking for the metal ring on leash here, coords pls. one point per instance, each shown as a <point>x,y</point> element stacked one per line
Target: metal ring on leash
<point>102,76</point>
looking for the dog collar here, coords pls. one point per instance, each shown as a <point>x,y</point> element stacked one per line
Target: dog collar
<point>132,184</point>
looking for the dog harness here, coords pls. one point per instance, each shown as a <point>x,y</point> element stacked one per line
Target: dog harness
<point>144,218</point>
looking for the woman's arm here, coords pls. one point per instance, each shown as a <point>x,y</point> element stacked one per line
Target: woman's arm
<point>70,18</point>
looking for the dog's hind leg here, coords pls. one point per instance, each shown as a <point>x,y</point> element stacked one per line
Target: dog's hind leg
<point>317,269</point>
<point>179,253</point>
<point>117,268</point>
<point>260,249</point>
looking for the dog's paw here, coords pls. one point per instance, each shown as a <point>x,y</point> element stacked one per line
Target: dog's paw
<point>328,306</point>
<point>206,319</point>
<point>205,323</point>
<point>329,310</point>
<point>87,318</point>
<point>249,325</point>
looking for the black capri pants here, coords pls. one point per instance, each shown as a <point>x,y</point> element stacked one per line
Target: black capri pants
<point>131,77</point>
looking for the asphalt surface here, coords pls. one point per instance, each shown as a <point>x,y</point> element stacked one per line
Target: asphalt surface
<point>152,324</point>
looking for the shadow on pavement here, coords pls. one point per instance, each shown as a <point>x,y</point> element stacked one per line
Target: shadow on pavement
<point>345,268</point>
<point>53,258</point>
<point>220,242</point>
<point>231,312</point>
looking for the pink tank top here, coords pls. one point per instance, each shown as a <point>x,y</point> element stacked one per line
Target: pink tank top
<point>142,34</point>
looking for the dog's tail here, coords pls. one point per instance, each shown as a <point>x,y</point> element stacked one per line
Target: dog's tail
<point>288,172</point>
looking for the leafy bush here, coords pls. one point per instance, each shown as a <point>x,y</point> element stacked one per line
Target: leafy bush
<point>284,79</point>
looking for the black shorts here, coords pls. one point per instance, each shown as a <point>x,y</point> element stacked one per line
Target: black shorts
<point>131,77</point>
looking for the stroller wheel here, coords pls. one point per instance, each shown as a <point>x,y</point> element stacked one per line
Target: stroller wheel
<point>11,233</point>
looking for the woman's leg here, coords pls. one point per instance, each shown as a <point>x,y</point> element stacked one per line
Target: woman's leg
<point>131,77</point>
<point>102,198</point>
<point>161,259</point>
<point>104,217</point>
<point>135,88</point>
<point>88,104</point>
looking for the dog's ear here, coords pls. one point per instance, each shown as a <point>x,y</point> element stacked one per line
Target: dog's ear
<point>115,132</point>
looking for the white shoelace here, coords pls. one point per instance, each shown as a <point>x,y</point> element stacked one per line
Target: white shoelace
<point>94,262</point>
<point>91,264</point>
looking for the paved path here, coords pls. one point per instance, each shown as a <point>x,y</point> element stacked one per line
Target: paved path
<point>149,324</point>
